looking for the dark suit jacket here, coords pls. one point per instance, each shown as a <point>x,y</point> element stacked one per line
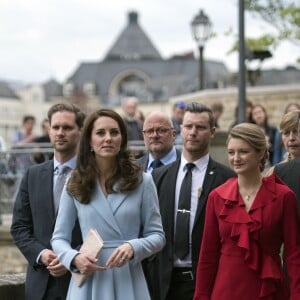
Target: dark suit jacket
<point>289,172</point>
<point>144,160</point>
<point>32,227</point>
<point>160,269</point>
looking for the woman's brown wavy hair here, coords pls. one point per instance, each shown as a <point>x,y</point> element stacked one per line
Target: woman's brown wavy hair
<point>84,178</point>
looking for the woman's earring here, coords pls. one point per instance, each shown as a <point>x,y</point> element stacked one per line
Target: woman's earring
<point>92,150</point>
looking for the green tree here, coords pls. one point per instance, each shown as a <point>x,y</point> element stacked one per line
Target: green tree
<point>282,15</point>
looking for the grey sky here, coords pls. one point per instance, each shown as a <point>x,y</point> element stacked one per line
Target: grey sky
<point>43,39</point>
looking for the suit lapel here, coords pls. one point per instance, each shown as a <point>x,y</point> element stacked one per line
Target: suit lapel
<point>167,194</point>
<point>206,187</point>
<point>46,189</point>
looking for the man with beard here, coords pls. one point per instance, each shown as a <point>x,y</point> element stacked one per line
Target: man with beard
<point>37,203</point>
<point>183,187</point>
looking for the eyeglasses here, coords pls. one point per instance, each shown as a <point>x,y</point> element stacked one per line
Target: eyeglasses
<point>159,131</point>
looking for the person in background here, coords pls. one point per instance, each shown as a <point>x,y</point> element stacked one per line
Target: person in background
<point>178,110</point>
<point>21,141</point>
<point>134,127</point>
<point>36,205</point>
<point>139,116</point>
<point>2,144</point>
<point>290,173</point>
<point>110,192</point>
<point>44,140</point>
<point>260,117</point>
<point>217,109</point>
<point>159,137</point>
<point>248,118</point>
<point>183,187</point>
<point>292,106</point>
<point>280,154</point>
<point>25,135</point>
<point>290,136</point>
<point>248,218</point>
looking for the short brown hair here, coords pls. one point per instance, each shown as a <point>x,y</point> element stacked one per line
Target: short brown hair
<point>79,115</point>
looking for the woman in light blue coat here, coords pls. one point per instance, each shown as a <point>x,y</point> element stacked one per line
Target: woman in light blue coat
<point>109,192</point>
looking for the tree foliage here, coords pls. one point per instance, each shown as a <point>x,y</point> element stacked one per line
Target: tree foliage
<point>282,15</point>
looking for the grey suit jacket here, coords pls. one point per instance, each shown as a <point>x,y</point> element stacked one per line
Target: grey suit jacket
<point>159,271</point>
<point>33,225</point>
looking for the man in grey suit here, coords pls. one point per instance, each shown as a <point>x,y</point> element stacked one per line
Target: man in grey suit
<point>173,277</point>
<point>159,137</point>
<point>35,212</point>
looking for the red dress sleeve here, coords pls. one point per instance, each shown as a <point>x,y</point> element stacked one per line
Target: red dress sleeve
<point>209,253</point>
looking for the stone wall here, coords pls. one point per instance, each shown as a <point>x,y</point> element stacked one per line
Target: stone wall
<point>11,259</point>
<point>273,98</point>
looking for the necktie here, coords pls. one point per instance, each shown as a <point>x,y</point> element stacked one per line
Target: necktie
<point>59,185</point>
<point>156,164</point>
<point>183,215</point>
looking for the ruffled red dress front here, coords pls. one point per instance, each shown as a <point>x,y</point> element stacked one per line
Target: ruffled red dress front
<point>240,252</point>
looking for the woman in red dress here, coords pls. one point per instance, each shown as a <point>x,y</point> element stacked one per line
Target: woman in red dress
<point>248,218</point>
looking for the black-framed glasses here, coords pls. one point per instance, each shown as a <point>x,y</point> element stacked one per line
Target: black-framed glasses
<point>159,131</point>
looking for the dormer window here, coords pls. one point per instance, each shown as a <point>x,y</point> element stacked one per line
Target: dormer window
<point>89,88</point>
<point>68,89</point>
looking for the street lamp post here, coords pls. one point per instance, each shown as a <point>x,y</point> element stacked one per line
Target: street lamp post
<point>201,30</point>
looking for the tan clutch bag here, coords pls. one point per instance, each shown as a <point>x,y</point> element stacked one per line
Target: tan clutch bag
<point>91,245</point>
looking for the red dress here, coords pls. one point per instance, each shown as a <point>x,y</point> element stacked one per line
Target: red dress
<point>240,251</point>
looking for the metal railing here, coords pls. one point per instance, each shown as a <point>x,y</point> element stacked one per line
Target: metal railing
<point>14,163</point>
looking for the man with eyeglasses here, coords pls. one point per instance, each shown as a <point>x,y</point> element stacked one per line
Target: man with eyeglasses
<point>183,187</point>
<point>159,137</point>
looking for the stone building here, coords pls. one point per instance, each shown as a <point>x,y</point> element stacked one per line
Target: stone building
<point>134,67</point>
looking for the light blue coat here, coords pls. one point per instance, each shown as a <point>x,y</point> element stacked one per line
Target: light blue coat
<point>122,217</point>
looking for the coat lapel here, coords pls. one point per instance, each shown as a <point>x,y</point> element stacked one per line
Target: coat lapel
<point>107,207</point>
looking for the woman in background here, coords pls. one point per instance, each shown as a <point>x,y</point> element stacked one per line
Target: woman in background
<point>248,218</point>
<point>259,117</point>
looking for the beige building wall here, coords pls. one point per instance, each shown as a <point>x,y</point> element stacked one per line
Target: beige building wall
<point>273,98</point>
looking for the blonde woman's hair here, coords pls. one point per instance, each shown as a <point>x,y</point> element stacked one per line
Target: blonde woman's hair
<point>254,136</point>
<point>290,121</point>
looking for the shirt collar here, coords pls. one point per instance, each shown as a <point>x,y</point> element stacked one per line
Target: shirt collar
<point>70,163</point>
<point>200,163</point>
<point>167,159</point>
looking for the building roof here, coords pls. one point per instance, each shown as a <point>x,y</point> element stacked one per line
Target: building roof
<point>52,88</point>
<point>134,67</point>
<point>277,77</point>
<point>132,43</point>
<point>6,91</point>
<point>165,78</point>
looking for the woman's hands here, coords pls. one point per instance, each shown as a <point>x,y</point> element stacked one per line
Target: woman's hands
<point>120,256</point>
<point>87,265</point>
